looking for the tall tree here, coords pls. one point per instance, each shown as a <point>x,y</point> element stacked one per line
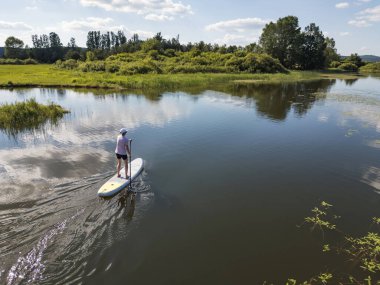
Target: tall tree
<point>54,40</point>
<point>122,38</point>
<point>313,48</point>
<point>12,42</point>
<point>331,53</point>
<point>282,40</point>
<point>72,43</point>
<point>44,40</point>
<point>14,48</point>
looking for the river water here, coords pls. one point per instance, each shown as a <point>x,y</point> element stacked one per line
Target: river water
<point>230,174</point>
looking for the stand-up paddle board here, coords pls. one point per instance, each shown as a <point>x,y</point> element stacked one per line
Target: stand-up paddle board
<point>116,184</point>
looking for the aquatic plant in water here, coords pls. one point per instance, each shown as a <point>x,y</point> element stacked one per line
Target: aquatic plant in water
<point>28,115</point>
<point>364,250</point>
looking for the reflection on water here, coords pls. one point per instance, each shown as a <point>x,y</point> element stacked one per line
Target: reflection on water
<point>228,170</point>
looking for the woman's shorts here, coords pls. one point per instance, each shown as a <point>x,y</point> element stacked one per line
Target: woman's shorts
<point>123,156</point>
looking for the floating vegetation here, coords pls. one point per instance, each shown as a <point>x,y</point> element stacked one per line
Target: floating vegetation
<point>363,252</point>
<point>28,115</point>
<point>356,98</point>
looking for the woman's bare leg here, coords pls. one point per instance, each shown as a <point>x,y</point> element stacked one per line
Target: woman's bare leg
<point>118,167</point>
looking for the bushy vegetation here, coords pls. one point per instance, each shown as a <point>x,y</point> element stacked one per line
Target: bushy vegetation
<point>17,61</point>
<point>28,115</point>
<point>348,66</point>
<point>351,63</point>
<point>371,67</point>
<point>157,62</point>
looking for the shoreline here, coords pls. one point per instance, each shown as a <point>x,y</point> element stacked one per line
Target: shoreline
<point>47,76</point>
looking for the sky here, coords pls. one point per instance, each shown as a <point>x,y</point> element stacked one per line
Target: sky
<point>354,24</point>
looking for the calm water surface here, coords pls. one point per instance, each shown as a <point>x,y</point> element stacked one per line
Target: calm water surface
<point>229,174</point>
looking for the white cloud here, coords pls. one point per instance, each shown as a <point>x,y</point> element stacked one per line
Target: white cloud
<point>153,10</point>
<point>370,14</point>
<point>158,18</point>
<point>365,1</point>
<point>238,25</point>
<point>364,49</point>
<point>31,8</point>
<point>366,17</point>
<point>87,24</point>
<point>342,5</point>
<point>237,39</point>
<point>344,34</point>
<point>17,26</point>
<point>359,23</point>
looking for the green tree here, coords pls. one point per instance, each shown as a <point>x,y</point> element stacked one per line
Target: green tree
<point>313,48</point>
<point>13,42</point>
<point>354,58</point>
<point>151,44</point>
<point>282,40</point>
<point>14,48</point>
<point>330,52</point>
<point>54,40</point>
<point>72,43</point>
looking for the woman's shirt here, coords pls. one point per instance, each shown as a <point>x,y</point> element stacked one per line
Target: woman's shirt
<point>121,143</point>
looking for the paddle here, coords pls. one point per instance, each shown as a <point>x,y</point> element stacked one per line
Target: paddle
<point>130,164</point>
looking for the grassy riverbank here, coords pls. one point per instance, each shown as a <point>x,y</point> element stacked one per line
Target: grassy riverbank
<point>44,75</point>
<point>28,115</point>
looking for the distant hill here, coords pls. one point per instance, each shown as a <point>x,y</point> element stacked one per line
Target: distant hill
<point>370,58</point>
<point>1,51</point>
<point>367,58</point>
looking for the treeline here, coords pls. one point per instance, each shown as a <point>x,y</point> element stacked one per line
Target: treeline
<point>283,40</point>
<point>46,49</point>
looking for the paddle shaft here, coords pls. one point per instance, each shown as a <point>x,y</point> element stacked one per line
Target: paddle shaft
<point>130,164</point>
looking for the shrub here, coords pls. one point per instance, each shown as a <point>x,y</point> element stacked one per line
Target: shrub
<point>254,63</point>
<point>371,67</point>
<point>73,54</point>
<point>17,61</point>
<point>188,68</point>
<point>348,66</point>
<point>92,66</point>
<point>335,64</point>
<point>67,64</point>
<point>123,57</point>
<point>112,67</point>
<point>142,67</point>
<point>90,56</point>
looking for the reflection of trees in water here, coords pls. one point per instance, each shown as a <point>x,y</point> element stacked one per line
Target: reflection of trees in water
<point>276,100</point>
<point>350,82</point>
<point>53,91</point>
<point>271,100</point>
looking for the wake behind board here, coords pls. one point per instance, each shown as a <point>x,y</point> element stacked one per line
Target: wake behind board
<point>116,184</point>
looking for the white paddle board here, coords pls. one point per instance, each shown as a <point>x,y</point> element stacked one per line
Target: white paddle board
<point>116,184</point>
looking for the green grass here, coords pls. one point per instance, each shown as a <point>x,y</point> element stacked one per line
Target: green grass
<point>44,75</point>
<point>28,115</point>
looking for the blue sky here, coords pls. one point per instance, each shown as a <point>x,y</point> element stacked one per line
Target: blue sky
<point>354,24</point>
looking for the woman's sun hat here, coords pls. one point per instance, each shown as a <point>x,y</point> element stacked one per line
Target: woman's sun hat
<point>123,131</point>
